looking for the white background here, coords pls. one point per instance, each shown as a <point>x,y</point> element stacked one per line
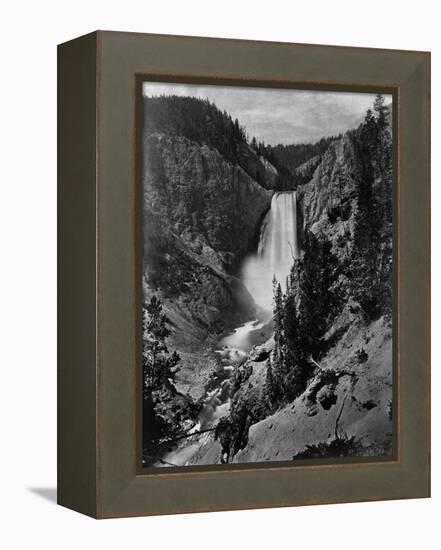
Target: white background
<point>29,33</point>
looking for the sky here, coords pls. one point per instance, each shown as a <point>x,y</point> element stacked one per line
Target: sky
<point>279,115</point>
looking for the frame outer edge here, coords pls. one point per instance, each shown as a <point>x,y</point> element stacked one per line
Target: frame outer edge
<point>76,370</point>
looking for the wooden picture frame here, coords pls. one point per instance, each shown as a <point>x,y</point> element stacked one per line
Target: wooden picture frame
<point>99,280</point>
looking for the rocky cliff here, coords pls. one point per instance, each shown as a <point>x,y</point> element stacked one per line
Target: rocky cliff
<point>202,215</point>
<point>327,202</point>
<point>213,205</point>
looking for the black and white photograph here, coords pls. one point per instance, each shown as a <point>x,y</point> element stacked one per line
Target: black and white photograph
<point>219,235</point>
<point>267,275</point>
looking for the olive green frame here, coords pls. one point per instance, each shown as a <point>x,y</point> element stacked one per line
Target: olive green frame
<point>99,217</point>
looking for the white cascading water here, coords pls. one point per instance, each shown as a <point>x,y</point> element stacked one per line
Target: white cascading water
<point>278,246</point>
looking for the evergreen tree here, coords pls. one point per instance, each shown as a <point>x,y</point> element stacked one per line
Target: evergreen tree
<point>270,387</point>
<point>366,217</point>
<point>371,261</point>
<point>385,213</point>
<point>381,111</point>
<point>318,300</point>
<point>277,368</point>
<point>159,370</point>
<point>278,315</point>
<point>364,213</point>
<point>160,367</point>
<point>295,364</point>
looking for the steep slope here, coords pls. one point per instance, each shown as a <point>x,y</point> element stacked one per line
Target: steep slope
<point>348,398</point>
<point>304,173</point>
<point>203,123</point>
<point>213,205</point>
<point>201,217</point>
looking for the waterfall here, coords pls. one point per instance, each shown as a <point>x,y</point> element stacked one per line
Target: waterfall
<point>278,245</point>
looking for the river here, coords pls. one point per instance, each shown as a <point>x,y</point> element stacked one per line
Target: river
<point>278,246</point>
<point>233,348</point>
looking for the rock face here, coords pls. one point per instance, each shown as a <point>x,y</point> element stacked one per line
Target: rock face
<point>202,215</point>
<point>305,171</point>
<point>258,167</point>
<point>214,206</point>
<point>327,201</point>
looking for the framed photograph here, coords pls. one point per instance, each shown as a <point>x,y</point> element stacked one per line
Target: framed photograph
<point>244,274</point>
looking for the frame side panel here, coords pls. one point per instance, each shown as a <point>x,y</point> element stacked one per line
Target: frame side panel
<point>77,274</point>
<point>414,276</point>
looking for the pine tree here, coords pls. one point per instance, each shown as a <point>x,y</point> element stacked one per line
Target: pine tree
<point>270,387</point>
<point>364,201</point>
<point>291,328</point>
<point>295,365</point>
<point>159,365</point>
<point>380,111</point>
<point>367,214</point>
<point>277,365</point>
<point>318,300</point>
<point>384,162</point>
<point>371,263</point>
<point>278,315</point>
<point>159,369</point>
<point>279,339</point>
<point>369,133</point>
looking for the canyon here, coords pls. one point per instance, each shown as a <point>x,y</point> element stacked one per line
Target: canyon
<point>216,232</point>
